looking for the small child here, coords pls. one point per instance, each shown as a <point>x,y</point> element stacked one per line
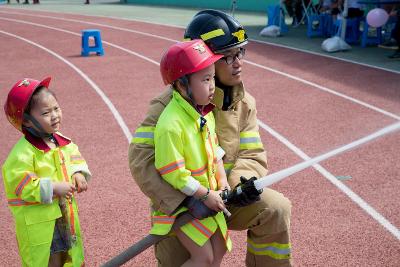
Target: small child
<point>187,154</point>
<point>40,176</point>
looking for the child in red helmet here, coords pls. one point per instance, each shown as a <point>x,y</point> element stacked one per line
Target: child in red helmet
<point>41,174</point>
<point>187,154</point>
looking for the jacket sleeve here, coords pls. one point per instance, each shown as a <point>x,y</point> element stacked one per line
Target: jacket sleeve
<point>141,163</point>
<point>252,158</point>
<point>77,162</point>
<point>170,162</point>
<point>20,180</point>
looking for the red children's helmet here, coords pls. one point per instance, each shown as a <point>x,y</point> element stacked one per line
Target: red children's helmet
<point>18,99</point>
<point>184,58</point>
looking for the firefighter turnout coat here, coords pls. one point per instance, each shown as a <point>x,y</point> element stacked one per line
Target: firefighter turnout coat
<point>27,173</point>
<point>186,154</point>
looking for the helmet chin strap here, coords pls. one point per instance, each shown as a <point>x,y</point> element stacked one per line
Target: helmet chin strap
<point>38,133</point>
<point>185,82</point>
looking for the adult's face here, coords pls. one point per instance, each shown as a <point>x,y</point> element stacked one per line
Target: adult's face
<point>228,69</point>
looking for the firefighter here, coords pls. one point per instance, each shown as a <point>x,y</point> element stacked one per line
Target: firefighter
<point>264,215</point>
<point>40,176</point>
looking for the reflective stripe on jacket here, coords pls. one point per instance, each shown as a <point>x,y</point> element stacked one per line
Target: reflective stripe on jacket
<point>22,172</point>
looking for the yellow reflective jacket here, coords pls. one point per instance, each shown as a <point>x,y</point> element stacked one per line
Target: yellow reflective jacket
<point>238,135</point>
<point>24,172</point>
<point>186,157</point>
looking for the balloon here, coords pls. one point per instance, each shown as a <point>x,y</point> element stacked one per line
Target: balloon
<point>377,17</point>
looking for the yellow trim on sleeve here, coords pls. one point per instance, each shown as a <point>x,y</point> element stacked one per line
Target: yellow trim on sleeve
<point>250,140</point>
<point>144,135</point>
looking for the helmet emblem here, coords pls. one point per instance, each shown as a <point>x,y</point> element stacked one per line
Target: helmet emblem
<point>25,83</point>
<point>239,35</point>
<point>200,48</point>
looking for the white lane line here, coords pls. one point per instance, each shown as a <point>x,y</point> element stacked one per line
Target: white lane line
<point>331,178</point>
<point>253,40</point>
<point>325,55</point>
<point>97,24</point>
<point>103,96</point>
<point>287,75</point>
<point>325,89</point>
<point>79,35</point>
<point>292,147</point>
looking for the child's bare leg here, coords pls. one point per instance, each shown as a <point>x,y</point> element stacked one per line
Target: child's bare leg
<point>56,260</point>
<point>219,248</point>
<point>199,256</point>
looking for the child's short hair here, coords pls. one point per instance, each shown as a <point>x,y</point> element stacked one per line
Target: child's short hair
<point>35,97</point>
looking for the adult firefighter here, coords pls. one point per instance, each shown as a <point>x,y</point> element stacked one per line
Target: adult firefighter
<point>266,215</point>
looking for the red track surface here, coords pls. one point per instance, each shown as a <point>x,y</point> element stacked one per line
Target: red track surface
<point>328,228</point>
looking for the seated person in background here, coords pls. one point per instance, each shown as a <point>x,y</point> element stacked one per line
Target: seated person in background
<point>295,9</point>
<point>328,7</point>
<point>354,9</point>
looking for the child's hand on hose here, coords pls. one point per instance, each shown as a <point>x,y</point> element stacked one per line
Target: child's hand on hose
<point>79,182</point>
<point>63,189</point>
<point>214,201</point>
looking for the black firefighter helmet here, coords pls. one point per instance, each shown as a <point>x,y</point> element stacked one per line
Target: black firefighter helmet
<point>217,29</point>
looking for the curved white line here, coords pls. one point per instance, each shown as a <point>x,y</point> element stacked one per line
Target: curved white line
<point>287,75</point>
<point>331,178</point>
<point>353,196</point>
<point>97,24</point>
<point>253,40</point>
<point>325,55</point>
<point>103,96</point>
<point>77,34</point>
<point>325,89</point>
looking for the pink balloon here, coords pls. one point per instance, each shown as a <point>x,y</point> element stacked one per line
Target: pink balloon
<point>377,17</point>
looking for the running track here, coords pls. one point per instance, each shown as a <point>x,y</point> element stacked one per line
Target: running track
<point>307,105</point>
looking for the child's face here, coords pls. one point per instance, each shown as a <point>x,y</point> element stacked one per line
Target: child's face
<point>47,112</point>
<point>202,85</point>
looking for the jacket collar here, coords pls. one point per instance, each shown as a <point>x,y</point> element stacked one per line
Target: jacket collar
<point>237,95</point>
<point>41,145</point>
<point>189,109</point>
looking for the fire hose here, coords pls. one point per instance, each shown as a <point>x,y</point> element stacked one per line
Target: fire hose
<point>259,184</point>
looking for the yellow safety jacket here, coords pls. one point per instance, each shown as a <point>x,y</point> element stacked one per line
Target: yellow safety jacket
<point>27,174</point>
<point>238,135</point>
<point>186,157</point>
